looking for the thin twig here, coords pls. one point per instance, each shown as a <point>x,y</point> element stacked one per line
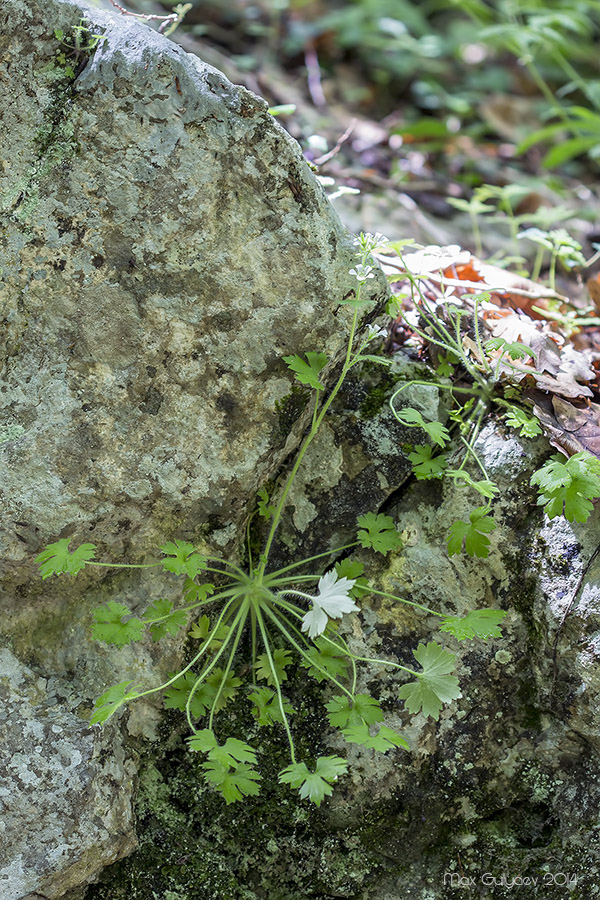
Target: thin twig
<point>313,72</point>
<point>327,156</point>
<point>164,19</point>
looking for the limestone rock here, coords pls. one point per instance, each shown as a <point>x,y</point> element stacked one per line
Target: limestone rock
<point>164,244</point>
<point>65,789</point>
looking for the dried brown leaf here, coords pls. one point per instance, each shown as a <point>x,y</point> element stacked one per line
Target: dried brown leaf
<point>569,428</point>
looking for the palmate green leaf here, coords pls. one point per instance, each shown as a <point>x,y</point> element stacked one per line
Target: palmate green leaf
<point>264,672</point>
<point>203,698</point>
<point>315,786</point>
<point>324,660</point>
<point>232,784</point>
<point>266,709</point>
<point>553,475</point>
<point>163,619</point>
<point>111,700</point>
<point>567,486</point>
<point>438,433</point>
<point>56,559</point>
<point>383,741</point>
<point>203,741</point>
<point>514,349</point>
<point>307,372</point>
<point>378,532</point>
<point>473,534</point>
<point>196,593</point>
<point>232,751</point>
<point>110,628</point>
<point>229,689</point>
<point>182,559</point>
<point>341,712</point>
<point>517,418</point>
<point>353,571</point>
<point>434,686</point>
<point>201,629</point>
<point>228,767</point>
<point>446,364</point>
<point>264,508</point>
<point>177,695</point>
<point>425,465</point>
<point>479,623</point>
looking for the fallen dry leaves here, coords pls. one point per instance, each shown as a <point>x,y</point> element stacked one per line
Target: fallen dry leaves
<point>561,378</point>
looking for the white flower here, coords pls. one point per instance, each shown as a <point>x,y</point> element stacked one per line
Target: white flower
<point>362,272</point>
<point>369,242</point>
<point>332,601</point>
<point>376,331</point>
<point>448,293</point>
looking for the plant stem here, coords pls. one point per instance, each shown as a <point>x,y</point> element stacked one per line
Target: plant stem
<point>294,579</point>
<point>229,661</point>
<point>253,641</point>
<point>284,717</point>
<point>294,644</point>
<point>308,559</point>
<point>476,234</point>
<point>290,607</point>
<point>575,77</point>
<point>249,548</point>
<point>537,265</point>
<point>386,662</point>
<point>305,445</point>
<point>222,572</point>
<point>207,601</point>
<point>316,409</point>
<point>475,457</point>
<point>547,92</point>
<point>552,274</point>
<point>426,609</point>
<point>123,565</point>
<point>478,335</point>
<point>241,613</point>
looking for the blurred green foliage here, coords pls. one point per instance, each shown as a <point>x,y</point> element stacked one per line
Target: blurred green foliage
<point>440,57</point>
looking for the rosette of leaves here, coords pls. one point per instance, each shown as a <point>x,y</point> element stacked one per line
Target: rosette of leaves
<point>248,627</point>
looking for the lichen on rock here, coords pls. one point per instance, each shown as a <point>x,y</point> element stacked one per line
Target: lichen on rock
<point>65,799</point>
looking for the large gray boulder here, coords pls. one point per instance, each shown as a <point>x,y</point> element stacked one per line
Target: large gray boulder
<point>163,245</point>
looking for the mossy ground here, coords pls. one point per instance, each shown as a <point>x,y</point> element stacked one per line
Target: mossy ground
<point>192,846</point>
